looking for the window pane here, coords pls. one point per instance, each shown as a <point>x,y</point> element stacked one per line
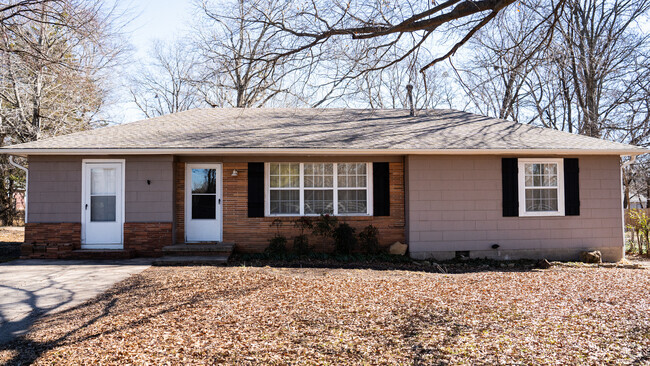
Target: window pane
<point>284,175</point>
<point>318,175</point>
<point>541,200</point>
<point>285,201</point>
<point>102,208</point>
<point>342,182</point>
<point>352,201</point>
<point>204,180</point>
<point>102,181</point>
<point>351,175</point>
<point>204,206</point>
<point>319,201</point>
<point>540,175</point>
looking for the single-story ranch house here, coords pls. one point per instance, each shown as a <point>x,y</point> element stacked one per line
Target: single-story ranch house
<point>444,182</point>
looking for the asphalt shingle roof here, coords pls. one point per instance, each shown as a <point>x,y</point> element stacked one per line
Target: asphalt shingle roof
<point>346,129</point>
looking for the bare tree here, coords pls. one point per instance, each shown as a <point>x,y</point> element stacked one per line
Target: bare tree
<point>167,84</point>
<point>394,30</point>
<point>231,40</point>
<point>55,62</point>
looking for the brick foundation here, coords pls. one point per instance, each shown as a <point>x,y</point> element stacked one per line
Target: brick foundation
<point>147,239</point>
<point>59,240</point>
<point>51,240</point>
<point>252,234</point>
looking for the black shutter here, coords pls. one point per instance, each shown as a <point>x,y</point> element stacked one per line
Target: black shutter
<point>380,189</point>
<point>510,189</point>
<point>255,189</point>
<point>571,187</point>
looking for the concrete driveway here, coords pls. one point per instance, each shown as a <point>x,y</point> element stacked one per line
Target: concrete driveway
<point>32,288</point>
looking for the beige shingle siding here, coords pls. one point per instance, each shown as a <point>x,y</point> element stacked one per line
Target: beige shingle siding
<point>346,129</point>
<point>455,205</point>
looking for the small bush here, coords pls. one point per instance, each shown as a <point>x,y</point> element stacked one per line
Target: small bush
<point>640,227</point>
<point>344,239</point>
<point>325,225</point>
<point>277,245</point>
<point>301,242</point>
<point>369,239</point>
<point>301,245</point>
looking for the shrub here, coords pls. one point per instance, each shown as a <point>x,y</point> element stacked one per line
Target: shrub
<point>344,239</point>
<point>640,227</point>
<point>369,240</point>
<point>278,243</point>
<point>301,242</point>
<point>325,225</point>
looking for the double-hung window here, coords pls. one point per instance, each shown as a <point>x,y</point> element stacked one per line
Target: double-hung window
<point>541,187</point>
<point>318,188</point>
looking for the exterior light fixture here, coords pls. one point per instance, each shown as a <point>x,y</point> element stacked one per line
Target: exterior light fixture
<point>234,173</point>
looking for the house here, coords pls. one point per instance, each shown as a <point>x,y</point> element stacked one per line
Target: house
<point>446,182</point>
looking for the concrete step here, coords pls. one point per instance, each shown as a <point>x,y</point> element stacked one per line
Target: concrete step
<point>100,254</point>
<point>216,260</point>
<point>199,249</point>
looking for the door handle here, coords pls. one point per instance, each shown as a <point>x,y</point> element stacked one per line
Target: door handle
<point>219,200</point>
<point>86,206</point>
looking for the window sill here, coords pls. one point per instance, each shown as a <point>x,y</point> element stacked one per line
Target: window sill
<point>541,214</point>
<point>339,215</point>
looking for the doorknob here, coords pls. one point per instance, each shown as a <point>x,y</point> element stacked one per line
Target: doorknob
<point>86,206</point>
<point>219,200</point>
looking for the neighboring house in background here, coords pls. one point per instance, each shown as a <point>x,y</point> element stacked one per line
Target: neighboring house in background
<point>638,201</point>
<point>19,199</point>
<point>444,181</point>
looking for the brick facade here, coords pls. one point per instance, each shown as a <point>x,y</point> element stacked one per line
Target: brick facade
<point>147,239</point>
<point>252,234</point>
<point>51,240</point>
<point>59,240</point>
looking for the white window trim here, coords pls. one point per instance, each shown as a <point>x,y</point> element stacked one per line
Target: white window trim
<point>522,187</point>
<point>301,188</point>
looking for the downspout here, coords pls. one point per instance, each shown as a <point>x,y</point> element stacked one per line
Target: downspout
<point>629,162</point>
<point>12,162</point>
<point>623,166</point>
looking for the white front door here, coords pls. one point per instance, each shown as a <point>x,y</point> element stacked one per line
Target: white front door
<point>102,205</point>
<point>203,202</point>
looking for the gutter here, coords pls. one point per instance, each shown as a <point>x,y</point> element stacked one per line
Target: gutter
<point>316,152</point>
<point>12,162</point>
<point>629,162</point>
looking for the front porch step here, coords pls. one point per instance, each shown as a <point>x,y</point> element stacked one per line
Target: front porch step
<point>101,254</point>
<point>215,260</point>
<point>208,250</point>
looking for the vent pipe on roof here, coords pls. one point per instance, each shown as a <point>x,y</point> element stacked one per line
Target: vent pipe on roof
<point>409,95</point>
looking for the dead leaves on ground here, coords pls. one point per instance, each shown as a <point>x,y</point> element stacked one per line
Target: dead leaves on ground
<point>239,315</point>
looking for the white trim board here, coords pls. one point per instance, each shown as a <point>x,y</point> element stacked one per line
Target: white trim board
<point>319,152</point>
<point>122,182</point>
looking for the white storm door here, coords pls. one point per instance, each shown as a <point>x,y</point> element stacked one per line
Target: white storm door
<point>203,202</point>
<point>103,203</point>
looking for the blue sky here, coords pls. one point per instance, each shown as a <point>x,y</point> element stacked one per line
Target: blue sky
<point>152,19</point>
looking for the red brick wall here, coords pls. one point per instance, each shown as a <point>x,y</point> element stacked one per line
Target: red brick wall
<point>252,234</point>
<point>51,240</point>
<point>147,238</point>
<point>179,202</point>
<point>58,240</point>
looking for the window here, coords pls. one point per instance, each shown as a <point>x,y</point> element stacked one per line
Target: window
<point>318,188</point>
<point>541,187</point>
<point>284,186</point>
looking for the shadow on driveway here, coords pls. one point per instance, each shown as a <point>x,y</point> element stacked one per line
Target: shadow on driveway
<point>32,288</point>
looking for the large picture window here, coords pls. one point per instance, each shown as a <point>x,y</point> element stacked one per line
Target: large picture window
<point>318,188</point>
<point>541,187</point>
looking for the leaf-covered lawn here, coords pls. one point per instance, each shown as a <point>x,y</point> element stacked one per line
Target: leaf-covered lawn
<point>12,234</point>
<point>244,315</point>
